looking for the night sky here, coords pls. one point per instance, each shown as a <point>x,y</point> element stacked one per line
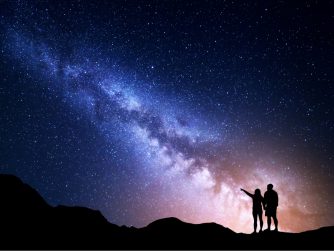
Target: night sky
<point>152,109</point>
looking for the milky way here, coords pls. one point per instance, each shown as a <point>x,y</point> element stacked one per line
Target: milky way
<point>142,134</point>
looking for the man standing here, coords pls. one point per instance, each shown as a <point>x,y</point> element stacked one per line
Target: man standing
<point>270,202</point>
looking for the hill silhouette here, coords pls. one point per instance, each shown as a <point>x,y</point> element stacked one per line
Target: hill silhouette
<point>28,222</point>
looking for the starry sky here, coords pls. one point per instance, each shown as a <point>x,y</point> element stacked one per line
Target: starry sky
<point>152,109</point>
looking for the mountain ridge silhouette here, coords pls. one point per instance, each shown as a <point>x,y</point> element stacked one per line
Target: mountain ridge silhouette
<point>27,221</point>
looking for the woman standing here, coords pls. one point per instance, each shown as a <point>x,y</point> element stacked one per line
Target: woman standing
<point>257,207</point>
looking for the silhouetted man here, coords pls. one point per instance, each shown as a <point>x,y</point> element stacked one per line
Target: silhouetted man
<point>270,202</point>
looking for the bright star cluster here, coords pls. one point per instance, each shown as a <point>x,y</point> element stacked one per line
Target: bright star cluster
<point>145,110</point>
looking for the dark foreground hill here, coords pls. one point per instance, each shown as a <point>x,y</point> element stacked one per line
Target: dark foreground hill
<point>28,222</point>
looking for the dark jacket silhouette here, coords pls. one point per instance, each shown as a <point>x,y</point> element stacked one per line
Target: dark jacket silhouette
<point>270,203</point>
<point>257,207</point>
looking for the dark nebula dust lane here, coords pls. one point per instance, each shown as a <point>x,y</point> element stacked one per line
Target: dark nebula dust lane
<point>145,110</point>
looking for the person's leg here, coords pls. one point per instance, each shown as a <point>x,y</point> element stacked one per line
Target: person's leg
<point>255,221</point>
<point>275,221</point>
<point>261,221</point>
<point>268,221</point>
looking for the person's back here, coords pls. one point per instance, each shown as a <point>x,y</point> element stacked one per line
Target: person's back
<point>257,202</point>
<point>271,199</point>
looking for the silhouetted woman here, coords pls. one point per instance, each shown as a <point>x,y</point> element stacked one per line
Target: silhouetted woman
<point>257,207</point>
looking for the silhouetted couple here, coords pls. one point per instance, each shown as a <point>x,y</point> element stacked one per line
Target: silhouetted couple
<point>269,203</point>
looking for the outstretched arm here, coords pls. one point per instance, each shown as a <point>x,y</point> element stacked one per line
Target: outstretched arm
<point>249,194</point>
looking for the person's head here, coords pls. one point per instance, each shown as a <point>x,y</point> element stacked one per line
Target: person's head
<point>257,191</point>
<point>270,187</point>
